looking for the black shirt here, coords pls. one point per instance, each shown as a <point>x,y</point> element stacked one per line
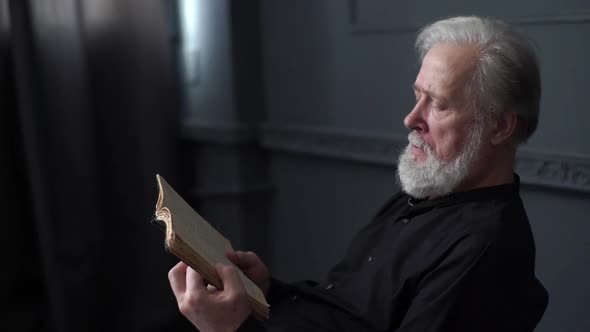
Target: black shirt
<point>463,262</point>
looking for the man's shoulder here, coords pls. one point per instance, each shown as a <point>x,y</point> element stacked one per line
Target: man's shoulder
<point>503,229</point>
<point>494,216</point>
<point>482,221</point>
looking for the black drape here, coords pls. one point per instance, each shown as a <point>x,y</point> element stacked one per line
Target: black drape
<point>89,116</point>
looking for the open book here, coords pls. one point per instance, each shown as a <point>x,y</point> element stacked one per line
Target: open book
<point>194,241</point>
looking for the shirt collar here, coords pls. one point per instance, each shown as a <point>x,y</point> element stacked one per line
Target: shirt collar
<point>500,192</point>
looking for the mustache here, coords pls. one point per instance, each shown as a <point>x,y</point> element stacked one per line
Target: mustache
<point>416,140</point>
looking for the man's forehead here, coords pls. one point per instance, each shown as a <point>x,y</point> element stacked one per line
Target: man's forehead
<point>451,54</point>
<point>445,66</point>
<point>430,79</point>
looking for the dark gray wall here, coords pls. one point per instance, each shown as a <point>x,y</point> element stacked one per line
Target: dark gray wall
<point>337,84</point>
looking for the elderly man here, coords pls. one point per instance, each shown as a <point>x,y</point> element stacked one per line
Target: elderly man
<point>452,252</point>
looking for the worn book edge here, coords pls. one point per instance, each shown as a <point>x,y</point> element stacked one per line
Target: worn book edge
<point>193,240</point>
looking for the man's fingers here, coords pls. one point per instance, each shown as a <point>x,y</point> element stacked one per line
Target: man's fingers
<point>243,260</point>
<point>230,278</point>
<point>234,257</point>
<point>249,258</point>
<point>194,281</point>
<point>177,277</point>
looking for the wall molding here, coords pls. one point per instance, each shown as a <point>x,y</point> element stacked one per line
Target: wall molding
<point>554,170</point>
<point>538,168</point>
<point>365,25</point>
<point>322,142</point>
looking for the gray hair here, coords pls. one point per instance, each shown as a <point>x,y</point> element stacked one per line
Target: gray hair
<point>506,76</point>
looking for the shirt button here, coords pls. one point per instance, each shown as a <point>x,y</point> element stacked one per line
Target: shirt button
<point>294,297</point>
<point>329,286</point>
<point>370,258</point>
<point>406,220</point>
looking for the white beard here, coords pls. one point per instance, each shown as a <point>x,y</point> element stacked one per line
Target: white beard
<point>436,177</point>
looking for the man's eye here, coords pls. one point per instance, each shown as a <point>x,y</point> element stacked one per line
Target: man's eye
<point>438,107</point>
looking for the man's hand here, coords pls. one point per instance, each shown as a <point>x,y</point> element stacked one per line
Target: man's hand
<point>253,268</point>
<point>210,309</point>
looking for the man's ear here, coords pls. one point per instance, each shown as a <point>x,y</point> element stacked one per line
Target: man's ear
<point>504,125</point>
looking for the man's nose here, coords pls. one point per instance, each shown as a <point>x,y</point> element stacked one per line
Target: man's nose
<point>415,119</point>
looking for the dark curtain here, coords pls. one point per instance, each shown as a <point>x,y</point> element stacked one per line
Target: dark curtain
<point>89,115</point>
